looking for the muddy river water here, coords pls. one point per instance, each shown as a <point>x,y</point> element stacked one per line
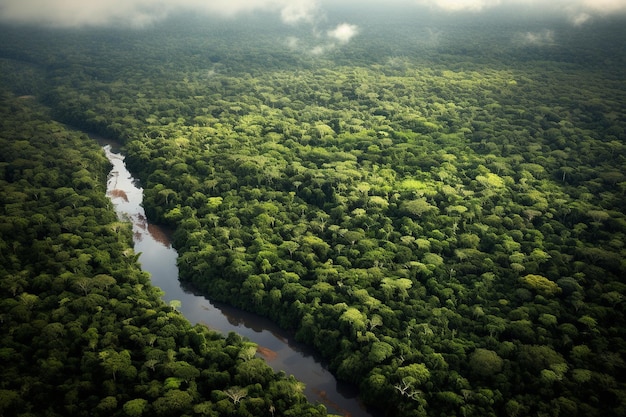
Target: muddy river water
<point>278,347</point>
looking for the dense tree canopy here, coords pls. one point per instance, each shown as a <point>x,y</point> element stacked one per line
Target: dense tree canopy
<point>445,224</point>
<point>83,331</point>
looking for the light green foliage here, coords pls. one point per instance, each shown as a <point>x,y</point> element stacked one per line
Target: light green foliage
<point>248,351</point>
<point>116,362</point>
<point>173,402</point>
<point>380,351</point>
<point>415,374</point>
<point>541,284</point>
<point>214,202</point>
<point>396,286</point>
<point>105,341</point>
<point>136,407</point>
<point>490,180</point>
<point>354,318</point>
<point>359,198</point>
<point>418,207</point>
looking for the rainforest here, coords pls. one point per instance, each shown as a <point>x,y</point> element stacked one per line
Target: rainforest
<point>433,201</point>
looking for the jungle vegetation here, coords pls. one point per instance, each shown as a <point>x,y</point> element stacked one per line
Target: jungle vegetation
<point>443,221</point>
<point>83,331</point>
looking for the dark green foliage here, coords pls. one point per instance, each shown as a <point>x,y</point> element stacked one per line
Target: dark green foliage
<point>83,332</point>
<point>446,225</point>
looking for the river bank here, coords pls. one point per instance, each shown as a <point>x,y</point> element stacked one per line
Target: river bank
<point>158,257</point>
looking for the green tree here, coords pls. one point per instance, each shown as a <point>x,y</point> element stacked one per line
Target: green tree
<point>541,284</point>
<point>136,407</point>
<point>173,402</point>
<point>236,394</point>
<point>380,351</point>
<point>117,363</point>
<point>485,363</point>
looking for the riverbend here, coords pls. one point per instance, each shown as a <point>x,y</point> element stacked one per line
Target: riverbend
<point>276,346</point>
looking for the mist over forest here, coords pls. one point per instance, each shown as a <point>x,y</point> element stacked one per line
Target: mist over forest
<point>429,193</point>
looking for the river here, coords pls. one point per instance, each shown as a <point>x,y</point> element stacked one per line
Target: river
<point>279,348</point>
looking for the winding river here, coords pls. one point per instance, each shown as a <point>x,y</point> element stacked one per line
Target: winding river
<point>279,348</point>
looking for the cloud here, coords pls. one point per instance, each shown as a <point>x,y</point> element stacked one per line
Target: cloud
<point>580,18</point>
<point>77,13</point>
<point>460,5</point>
<point>343,32</point>
<point>585,11</point>
<point>323,42</point>
<point>543,38</point>
<point>604,6</point>
<point>571,8</point>
<point>292,42</point>
<point>577,12</point>
<point>321,49</point>
<point>299,11</point>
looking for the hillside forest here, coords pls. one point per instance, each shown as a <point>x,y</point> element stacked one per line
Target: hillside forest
<point>444,222</point>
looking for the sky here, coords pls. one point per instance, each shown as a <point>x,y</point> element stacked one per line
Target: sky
<point>140,13</point>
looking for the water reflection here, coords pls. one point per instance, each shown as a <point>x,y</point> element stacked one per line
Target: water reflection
<point>279,349</point>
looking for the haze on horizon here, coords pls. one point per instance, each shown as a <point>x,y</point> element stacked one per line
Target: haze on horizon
<point>141,13</point>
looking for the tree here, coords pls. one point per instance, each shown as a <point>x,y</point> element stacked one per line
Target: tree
<point>206,408</point>
<point>254,371</point>
<point>174,402</point>
<point>28,302</point>
<point>490,180</point>
<point>485,363</point>
<point>236,394</point>
<point>175,304</point>
<point>166,195</point>
<point>541,284</point>
<point>290,247</point>
<point>380,351</point>
<point>247,352</point>
<point>400,285</point>
<point>354,319</point>
<point>107,404</point>
<point>415,374</point>
<point>8,400</point>
<point>513,408</point>
<point>411,378</point>
<point>103,281</point>
<point>117,362</point>
<point>136,407</point>
<point>418,207</point>
<point>183,370</point>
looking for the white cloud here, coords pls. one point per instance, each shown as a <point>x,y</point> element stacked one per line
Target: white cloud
<point>542,38</point>
<point>569,7</point>
<point>75,13</point>
<point>292,42</point>
<point>321,49</point>
<point>460,5</point>
<point>343,32</point>
<point>604,6</point>
<point>299,11</point>
<point>340,35</point>
<point>580,18</point>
